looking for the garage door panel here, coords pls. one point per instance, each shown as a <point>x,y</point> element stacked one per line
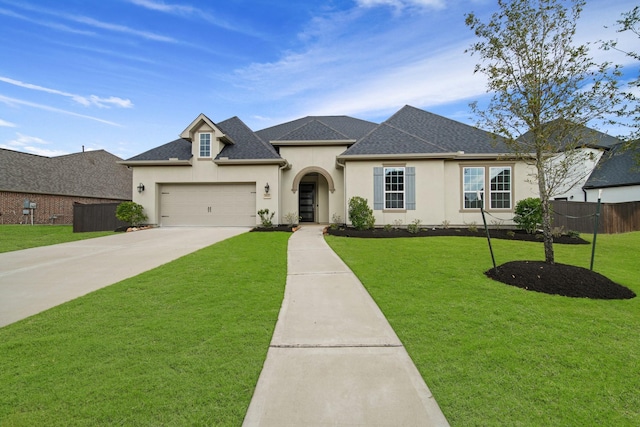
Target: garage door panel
<point>208,204</point>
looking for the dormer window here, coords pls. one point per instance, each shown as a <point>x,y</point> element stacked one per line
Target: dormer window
<point>205,145</point>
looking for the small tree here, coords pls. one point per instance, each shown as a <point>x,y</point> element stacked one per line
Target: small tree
<point>544,90</point>
<point>360,214</point>
<point>528,214</point>
<point>266,218</point>
<point>131,213</point>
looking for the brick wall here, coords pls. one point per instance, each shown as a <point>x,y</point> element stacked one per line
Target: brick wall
<point>50,209</point>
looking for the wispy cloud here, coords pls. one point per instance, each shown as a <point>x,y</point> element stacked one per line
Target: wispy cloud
<point>89,21</point>
<point>6,124</point>
<point>14,102</point>
<point>83,100</point>
<point>402,4</point>
<point>48,24</point>
<point>164,7</point>
<point>31,144</point>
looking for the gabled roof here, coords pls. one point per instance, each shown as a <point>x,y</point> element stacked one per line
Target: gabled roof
<point>247,144</point>
<point>616,168</point>
<point>87,174</point>
<point>318,128</point>
<point>415,131</point>
<point>179,149</point>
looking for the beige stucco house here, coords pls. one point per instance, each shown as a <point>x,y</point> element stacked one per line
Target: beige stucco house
<point>414,166</point>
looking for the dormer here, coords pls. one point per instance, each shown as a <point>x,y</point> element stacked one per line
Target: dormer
<point>207,140</point>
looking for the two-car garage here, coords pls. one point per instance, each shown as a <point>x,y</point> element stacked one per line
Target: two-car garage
<point>228,204</point>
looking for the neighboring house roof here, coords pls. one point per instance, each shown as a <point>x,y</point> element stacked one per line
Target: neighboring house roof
<point>247,144</point>
<point>87,174</point>
<point>579,135</point>
<point>318,128</point>
<point>415,131</point>
<point>616,168</point>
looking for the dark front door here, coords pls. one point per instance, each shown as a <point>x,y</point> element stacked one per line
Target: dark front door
<point>307,202</point>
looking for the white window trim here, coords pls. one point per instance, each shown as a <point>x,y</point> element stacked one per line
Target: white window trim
<point>200,144</point>
<point>484,186</point>
<point>404,188</point>
<point>501,191</point>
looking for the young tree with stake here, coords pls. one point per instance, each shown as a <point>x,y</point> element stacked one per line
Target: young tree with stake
<point>544,90</point>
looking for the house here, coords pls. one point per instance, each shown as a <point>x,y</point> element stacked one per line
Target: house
<point>415,166</point>
<point>44,189</point>
<point>616,177</point>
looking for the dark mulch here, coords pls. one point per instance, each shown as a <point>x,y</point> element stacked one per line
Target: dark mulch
<point>430,232</point>
<point>559,279</point>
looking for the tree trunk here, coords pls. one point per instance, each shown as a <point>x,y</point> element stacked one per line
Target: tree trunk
<point>546,211</point>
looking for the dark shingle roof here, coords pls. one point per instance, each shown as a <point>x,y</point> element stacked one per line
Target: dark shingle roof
<point>317,128</point>
<point>617,167</point>
<point>578,135</point>
<point>179,149</point>
<point>412,131</point>
<point>87,174</point>
<point>247,145</point>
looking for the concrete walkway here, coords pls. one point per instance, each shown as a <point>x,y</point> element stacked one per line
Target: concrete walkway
<point>334,360</point>
<point>34,280</point>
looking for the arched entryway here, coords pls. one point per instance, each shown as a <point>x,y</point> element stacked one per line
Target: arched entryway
<point>313,185</point>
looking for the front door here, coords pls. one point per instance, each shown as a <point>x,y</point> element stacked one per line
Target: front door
<point>307,202</point>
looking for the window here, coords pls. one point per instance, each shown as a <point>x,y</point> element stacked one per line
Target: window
<point>205,145</point>
<point>475,182</point>
<point>473,185</point>
<point>394,188</point>
<point>500,188</point>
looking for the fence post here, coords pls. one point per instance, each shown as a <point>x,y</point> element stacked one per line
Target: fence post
<point>595,229</point>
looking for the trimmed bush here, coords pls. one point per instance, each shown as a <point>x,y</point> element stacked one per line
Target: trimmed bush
<point>131,213</point>
<point>360,214</point>
<point>528,214</point>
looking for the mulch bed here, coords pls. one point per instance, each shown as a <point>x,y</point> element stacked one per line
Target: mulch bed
<point>432,232</point>
<point>559,279</point>
<point>274,228</point>
<point>538,276</point>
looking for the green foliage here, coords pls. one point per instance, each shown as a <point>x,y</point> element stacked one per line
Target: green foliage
<point>528,214</point>
<point>336,221</point>
<point>473,227</point>
<point>414,227</point>
<point>360,214</point>
<point>387,227</point>
<point>131,213</point>
<point>266,218</point>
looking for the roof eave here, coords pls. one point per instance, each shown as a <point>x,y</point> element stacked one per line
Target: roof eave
<point>461,155</point>
<point>170,162</point>
<point>224,161</point>
<point>314,142</point>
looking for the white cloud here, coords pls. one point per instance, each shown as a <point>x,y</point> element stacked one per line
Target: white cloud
<point>164,7</point>
<point>13,102</point>
<point>83,100</point>
<point>402,4</point>
<point>31,144</point>
<point>6,124</point>
<point>53,25</point>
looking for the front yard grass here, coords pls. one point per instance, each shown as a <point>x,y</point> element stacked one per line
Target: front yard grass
<point>182,344</point>
<point>17,237</point>
<point>497,355</point>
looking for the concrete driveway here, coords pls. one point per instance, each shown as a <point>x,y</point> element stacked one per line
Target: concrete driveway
<point>34,280</point>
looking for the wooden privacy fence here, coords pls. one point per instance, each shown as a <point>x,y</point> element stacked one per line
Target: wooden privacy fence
<point>99,217</point>
<point>580,216</point>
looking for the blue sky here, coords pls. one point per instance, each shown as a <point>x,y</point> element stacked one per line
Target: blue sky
<point>129,75</point>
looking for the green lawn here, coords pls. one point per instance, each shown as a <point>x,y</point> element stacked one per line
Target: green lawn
<point>16,237</point>
<point>496,355</point>
<point>182,344</point>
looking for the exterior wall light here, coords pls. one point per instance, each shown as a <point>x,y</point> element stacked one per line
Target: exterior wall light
<point>266,188</point>
<point>140,188</point>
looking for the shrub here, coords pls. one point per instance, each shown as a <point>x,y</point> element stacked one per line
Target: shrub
<point>397,224</point>
<point>414,227</point>
<point>131,213</point>
<point>557,232</point>
<point>528,214</point>
<point>445,224</point>
<point>336,220</point>
<point>291,218</point>
<point>265,217</point>
<point>473,227</point>
<point>388,227</point>
<point>360,214</point>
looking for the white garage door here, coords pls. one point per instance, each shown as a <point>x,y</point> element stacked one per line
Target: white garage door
<point>208,204</point>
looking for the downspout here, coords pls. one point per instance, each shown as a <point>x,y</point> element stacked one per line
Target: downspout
<point>344,189</point>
